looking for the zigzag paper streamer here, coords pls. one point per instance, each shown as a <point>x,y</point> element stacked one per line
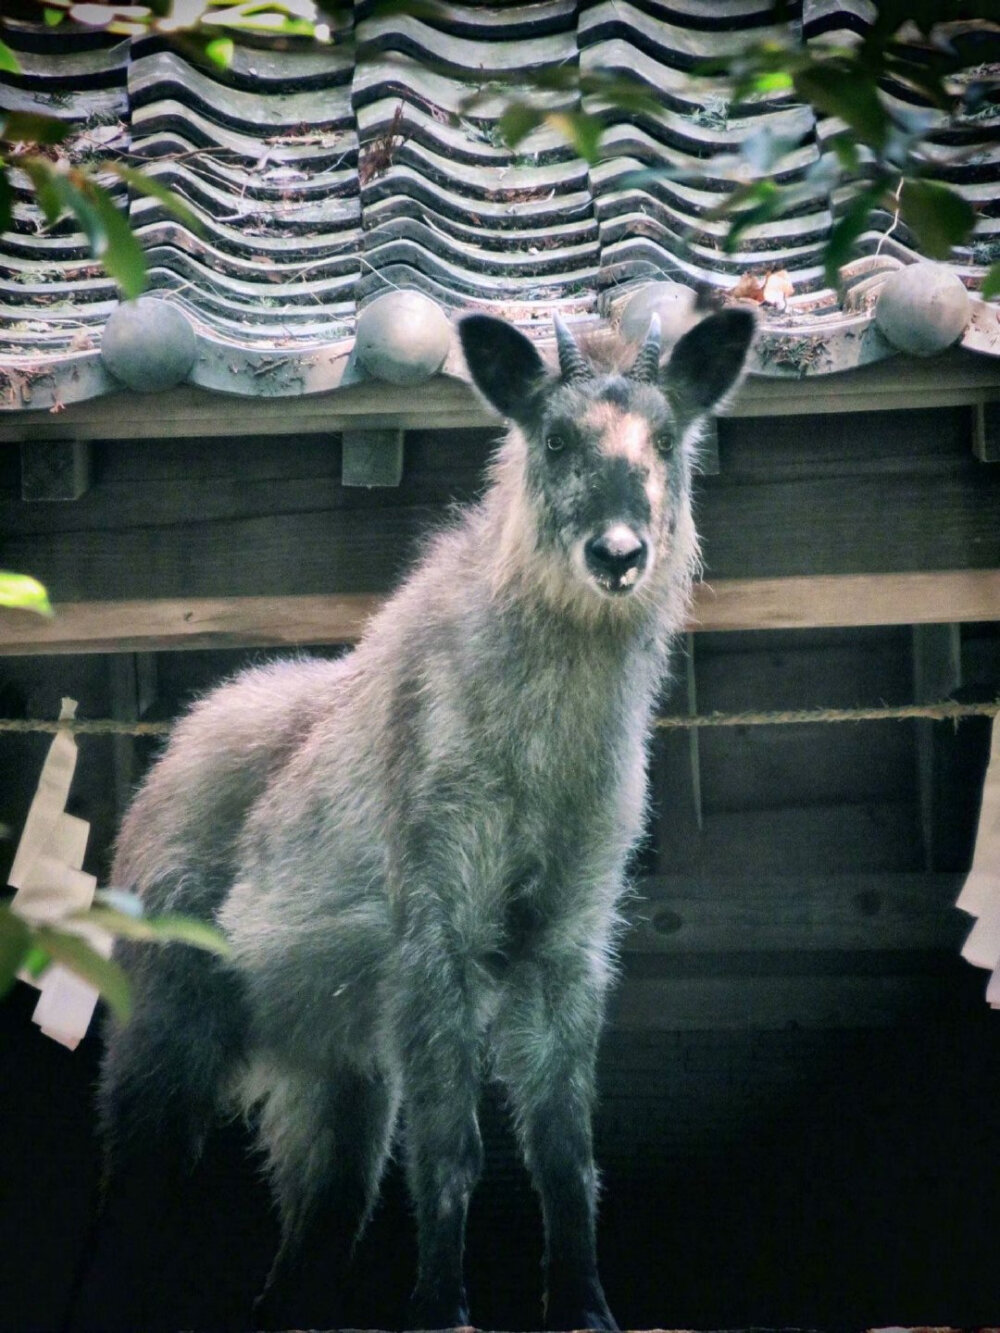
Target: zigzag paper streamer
<point>980,895</point>
<point>51,885</point>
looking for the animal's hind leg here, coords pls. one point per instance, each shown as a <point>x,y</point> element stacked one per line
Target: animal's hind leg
<point>326,1140</point>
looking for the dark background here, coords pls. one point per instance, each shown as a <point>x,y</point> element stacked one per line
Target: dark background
<point>800,1085</point>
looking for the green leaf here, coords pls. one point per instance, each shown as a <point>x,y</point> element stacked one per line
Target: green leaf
<point>991,283</point>
<point>220,50</point>
<point>555,78</point>
<point>581,130</point>
<point>143,184</point>
<point>122,900</point>
<point>15,941</point>
<point>840,246</point>
<point>938,216</point>
<point>103,973</point>
<point>166,928</point>
<point>75,201</point>
<point>623,91</point>
<point>517,122</point>
<point>40,173</point>
<point>53,17</point>
<point>8,60</point>
<point>33,127</point>
<point>840,88</point>
<point>747,206</point>
<point>24,593</point>
<point>56,195</point>
<point>741,197</point>
<point>122,255</point>
<point>847,152</point>
<point>35,962</point>
<point>772,81</point>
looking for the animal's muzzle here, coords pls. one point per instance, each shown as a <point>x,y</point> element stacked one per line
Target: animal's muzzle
<point>616,558</point>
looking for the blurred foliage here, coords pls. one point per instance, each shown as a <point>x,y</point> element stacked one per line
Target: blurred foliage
<point>33,946</point>
<point>21,592</point>
<point>943,56</point>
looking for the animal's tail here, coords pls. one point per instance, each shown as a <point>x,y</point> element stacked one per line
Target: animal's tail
<point>164,1072</point>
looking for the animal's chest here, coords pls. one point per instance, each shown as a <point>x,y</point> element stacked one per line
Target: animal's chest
<point>568,769</point>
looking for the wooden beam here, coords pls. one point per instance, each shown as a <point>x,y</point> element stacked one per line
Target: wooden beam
<point>162,624</point>
<point>955,378</point>
<point>769,1003</point>
<point>831,600</point>
<point>681,915</point>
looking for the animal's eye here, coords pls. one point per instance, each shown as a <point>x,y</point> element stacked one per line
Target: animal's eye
<point>665,442</point>
<point>555,441</point>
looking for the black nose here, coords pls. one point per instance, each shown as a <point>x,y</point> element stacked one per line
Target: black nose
<point>612,556</point>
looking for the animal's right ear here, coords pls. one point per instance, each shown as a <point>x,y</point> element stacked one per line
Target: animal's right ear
<point>708,361</point>
<point>503,363</point>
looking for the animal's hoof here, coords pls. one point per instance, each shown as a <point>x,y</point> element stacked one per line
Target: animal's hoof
<point>583,1319</point>
<point>574,1311</point>
<point>429,1310</point>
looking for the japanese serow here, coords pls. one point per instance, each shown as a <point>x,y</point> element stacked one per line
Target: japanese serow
<point>418,851</point>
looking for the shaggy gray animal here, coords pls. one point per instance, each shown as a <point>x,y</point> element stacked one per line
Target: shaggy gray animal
<point>417,852</point>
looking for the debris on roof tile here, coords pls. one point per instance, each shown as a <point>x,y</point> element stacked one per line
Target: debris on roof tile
<point>323,183</point>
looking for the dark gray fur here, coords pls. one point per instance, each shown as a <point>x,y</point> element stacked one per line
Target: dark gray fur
<point>418,851</point>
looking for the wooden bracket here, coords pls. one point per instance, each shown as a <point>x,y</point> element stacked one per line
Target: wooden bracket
<point>54,469</point>
<point>986,432</point>
<point>372,457</point>
<point>937,673</point>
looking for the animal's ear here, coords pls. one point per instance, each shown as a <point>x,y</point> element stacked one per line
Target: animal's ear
<point>503,363</point>
<point>708,361</point>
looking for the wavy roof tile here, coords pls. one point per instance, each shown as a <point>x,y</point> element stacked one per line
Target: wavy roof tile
<point>322,182</point>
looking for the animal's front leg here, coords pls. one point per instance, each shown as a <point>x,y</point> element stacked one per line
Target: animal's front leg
<point>546,1043</point>
<point>438,1047</point>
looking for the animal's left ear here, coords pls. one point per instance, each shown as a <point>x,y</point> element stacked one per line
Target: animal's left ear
<point>504,364</point>
<point>708,361</point>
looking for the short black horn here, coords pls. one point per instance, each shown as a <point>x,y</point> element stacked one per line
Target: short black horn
<point>646,366</point>
<point>572,365</point>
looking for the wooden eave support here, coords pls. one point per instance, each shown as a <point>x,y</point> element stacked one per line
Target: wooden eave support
<point>54,469</point>
<point>372,457</point>
<point>807,602</point>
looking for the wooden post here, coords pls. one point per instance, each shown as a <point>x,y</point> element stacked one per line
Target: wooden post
<point>54,469</point>
<point>372,457</point>
<point>986,432</point>
<point>133,690</point>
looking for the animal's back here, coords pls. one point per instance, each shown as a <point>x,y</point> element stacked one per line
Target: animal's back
<point>178,843</point>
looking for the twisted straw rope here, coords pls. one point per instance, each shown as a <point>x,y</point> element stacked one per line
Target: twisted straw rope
<point>900,713</point>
